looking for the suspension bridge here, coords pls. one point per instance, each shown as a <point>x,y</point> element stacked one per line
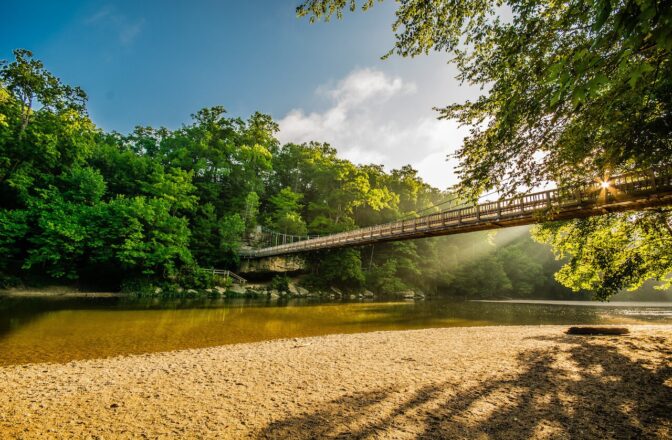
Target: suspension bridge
<point>632,191</point>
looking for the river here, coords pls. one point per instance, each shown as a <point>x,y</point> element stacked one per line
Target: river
<point>61,329</point>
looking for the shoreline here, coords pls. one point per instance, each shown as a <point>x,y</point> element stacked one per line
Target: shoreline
<point>56,292</point>
<point>584,303</point>
<point>515,381</point>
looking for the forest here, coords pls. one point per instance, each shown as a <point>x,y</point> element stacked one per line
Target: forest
<point>105,210</point>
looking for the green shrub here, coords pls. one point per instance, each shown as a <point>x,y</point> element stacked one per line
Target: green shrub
<point>280,283</point>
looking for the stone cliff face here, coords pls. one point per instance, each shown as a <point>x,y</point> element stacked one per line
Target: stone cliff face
<point>272,265</point>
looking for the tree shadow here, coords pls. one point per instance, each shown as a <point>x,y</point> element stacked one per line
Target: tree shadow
<point>578,388</point>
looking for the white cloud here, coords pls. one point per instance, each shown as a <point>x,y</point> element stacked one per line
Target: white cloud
<point>99,15</point>
<point>108,19</point>
<point>371,118</point>
<point>129,31</point>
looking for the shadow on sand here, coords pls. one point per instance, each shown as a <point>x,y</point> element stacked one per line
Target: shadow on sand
<point>581,388</point>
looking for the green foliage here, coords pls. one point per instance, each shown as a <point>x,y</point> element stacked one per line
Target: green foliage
<point>383,278</point>
<point>251,212</point>
<point>199,279</point>
<point>285,214</point>
<point>482,278</point>
<point>231,229</point>
<point>14,229</point>
<point>143,236</point>
<point>280,283</point>
<point>57,244</point>
<point>340,268</point>
<point>613,252</point>
<point>205,236</point>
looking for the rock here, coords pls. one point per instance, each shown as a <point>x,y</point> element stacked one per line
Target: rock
<point>273,265</point>
<point>273,294</point>
<point>292,289</point>
<point>237,289</point>
<point>336,291</point>
<point>368,294</point>
<point>407,294</point>
<point>302,291</point>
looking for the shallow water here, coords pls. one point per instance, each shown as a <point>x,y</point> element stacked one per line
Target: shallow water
<point>64,329</point>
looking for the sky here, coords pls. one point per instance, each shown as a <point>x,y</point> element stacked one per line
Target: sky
<point>157,62</point>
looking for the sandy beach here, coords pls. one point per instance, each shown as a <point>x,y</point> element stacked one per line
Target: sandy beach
<point>479,382</point>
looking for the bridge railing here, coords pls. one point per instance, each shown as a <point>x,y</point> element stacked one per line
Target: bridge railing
<point>619,188</point>
<point>226,274</point>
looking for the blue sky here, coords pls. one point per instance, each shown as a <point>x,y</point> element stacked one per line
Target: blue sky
<point>157,62</point>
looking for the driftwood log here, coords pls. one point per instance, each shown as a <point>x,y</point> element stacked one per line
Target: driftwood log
<point>598,331</point>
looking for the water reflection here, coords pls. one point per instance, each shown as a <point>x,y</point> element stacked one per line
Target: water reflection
<point>64,329</point>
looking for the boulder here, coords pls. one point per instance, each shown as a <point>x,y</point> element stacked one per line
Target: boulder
<point>407,294</point>
<point>368,294</point>
<point>237,289</point>
<point>291,287</point>
<point>252,292</point>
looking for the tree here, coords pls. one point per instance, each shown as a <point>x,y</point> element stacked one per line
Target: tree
<point>575,90</point>
<point>204,242</point>
<point>614,252</point>
<point>340,267</point>
<point>231,230</point>
<point>286,216</point>
<point>43,128</point>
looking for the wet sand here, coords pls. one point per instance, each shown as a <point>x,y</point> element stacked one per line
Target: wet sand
<point>478,382</point>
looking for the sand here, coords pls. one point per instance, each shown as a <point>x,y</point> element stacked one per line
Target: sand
<point>487,382</point>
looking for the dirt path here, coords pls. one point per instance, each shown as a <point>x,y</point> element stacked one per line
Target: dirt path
<point>489,382</point>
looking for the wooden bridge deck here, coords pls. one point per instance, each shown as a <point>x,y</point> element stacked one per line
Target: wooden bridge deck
<point>625,192</point>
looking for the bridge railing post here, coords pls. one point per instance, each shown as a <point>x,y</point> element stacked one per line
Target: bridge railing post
<point>548,199</point>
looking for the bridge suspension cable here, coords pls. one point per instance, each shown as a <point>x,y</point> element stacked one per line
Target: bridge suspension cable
<point>436,205</point>
<point>632,191</point>
<point>275,238</point>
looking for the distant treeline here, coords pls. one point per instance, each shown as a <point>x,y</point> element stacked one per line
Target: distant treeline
<point>106,210</point>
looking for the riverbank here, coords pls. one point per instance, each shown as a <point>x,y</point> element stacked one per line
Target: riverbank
<point>56,292</point>
<point>505,382</point>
